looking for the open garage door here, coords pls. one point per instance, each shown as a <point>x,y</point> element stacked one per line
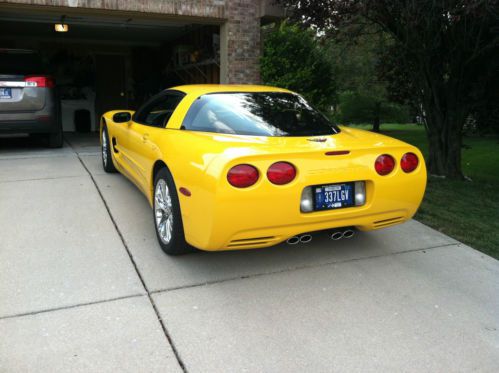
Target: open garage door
<point>105,60</point>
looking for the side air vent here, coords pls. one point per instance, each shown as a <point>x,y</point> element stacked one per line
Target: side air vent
<point>387,222</point>
<point>252,241</point>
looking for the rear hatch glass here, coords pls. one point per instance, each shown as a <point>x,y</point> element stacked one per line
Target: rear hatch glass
<point>257,114</point>
<point>16,62</point>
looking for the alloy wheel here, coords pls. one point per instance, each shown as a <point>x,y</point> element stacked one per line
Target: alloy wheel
<point>104,147</point>
<point>163,211</point>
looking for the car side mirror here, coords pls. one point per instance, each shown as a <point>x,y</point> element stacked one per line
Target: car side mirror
<point>122,117</point>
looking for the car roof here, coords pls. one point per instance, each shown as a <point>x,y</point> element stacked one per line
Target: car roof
<point>201,89</point>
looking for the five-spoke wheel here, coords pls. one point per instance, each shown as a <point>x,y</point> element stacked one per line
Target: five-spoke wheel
<point>163,211</point>
<point>107,161</point>
<point>167,216</point>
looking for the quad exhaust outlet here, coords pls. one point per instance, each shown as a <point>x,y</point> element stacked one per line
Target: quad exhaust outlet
<point>304,238</point>
<point>339,234</point>
<point>334,235</point>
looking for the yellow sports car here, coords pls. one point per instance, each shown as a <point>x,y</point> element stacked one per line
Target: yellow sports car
<point>229,167</point>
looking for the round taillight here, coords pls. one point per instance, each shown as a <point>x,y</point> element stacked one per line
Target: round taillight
<point>384,164</point>
<point>242,176</point>
<point>409,162</point>
<point>281,173</point>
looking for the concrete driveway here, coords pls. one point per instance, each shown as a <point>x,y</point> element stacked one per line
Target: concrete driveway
<point>85,287</point>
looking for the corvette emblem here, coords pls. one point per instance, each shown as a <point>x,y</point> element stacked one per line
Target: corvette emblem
<point>317,139</point>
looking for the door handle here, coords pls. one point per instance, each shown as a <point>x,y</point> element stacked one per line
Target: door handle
<point>145,137</point>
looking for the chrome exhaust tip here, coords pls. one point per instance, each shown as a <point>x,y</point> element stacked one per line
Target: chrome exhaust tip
<point>336,235</point>
<point>293,240</point>
<point>306,238</point>
<point>348,233</point>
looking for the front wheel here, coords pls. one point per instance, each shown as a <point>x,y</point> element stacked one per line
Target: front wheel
<point>107,161</point>
<point>167,216</point>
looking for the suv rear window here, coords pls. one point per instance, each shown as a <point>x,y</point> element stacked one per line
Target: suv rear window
<point>257,114</point>
<point>16,62</point>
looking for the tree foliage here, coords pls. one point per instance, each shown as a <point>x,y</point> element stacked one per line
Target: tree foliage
<point>354,107</point>
<point>292,59</point>
<point>443,54</point>
<point>363,97</point>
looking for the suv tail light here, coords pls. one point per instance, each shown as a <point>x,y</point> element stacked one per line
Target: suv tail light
<point>39,81</point>
<point>409,162</point>
<point>281,173</point>
<point>384,164</point>
<point>242,176</point>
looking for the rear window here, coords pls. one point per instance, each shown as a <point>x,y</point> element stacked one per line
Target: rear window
<point>257,114</point>
<point>20,63</point>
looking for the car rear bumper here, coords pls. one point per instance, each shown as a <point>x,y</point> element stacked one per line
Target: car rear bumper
<point>255,221</point>
<point>270,236</point>
<point>259,237</point>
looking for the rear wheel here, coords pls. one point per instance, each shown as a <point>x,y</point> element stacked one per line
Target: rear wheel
<point>167,216</point>
<point>107,161</point>
<point>54,139</point>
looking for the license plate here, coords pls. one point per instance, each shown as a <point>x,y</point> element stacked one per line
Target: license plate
<point>334,196</point>
<point>5,93</point>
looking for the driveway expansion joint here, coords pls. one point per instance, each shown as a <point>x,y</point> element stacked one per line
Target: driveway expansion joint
<point>125,245</point>
<point>41,178</point>
<point>35,155</point>
<point>299,268</point>
<point>71,306</point>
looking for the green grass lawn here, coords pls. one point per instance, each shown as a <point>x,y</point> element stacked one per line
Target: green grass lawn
<point>465,210</point>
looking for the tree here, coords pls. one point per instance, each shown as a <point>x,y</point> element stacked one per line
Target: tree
<point>485,95</point>
<point>441,49</point>
<point>292,59</point>
<point>363,96</point>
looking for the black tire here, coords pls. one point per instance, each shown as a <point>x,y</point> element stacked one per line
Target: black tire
<point>54,140</point>
<point>106,154</point>
<point>176,244</point>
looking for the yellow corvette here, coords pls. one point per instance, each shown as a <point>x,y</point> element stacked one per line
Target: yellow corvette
<point>228,167</point>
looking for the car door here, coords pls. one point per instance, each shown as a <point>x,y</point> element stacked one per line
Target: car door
<point>148,125</point>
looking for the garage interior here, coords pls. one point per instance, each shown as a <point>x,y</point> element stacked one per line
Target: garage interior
<point>113,60</point>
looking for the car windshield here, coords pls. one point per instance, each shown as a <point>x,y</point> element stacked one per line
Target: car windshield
<point>257,114</point>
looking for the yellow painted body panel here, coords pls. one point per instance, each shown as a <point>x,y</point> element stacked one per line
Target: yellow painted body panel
<point>218,216</point>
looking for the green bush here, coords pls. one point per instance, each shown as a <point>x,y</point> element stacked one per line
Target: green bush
<point>362,108</point>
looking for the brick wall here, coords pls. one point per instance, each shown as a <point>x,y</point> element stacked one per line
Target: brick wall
<point>243,41</point>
